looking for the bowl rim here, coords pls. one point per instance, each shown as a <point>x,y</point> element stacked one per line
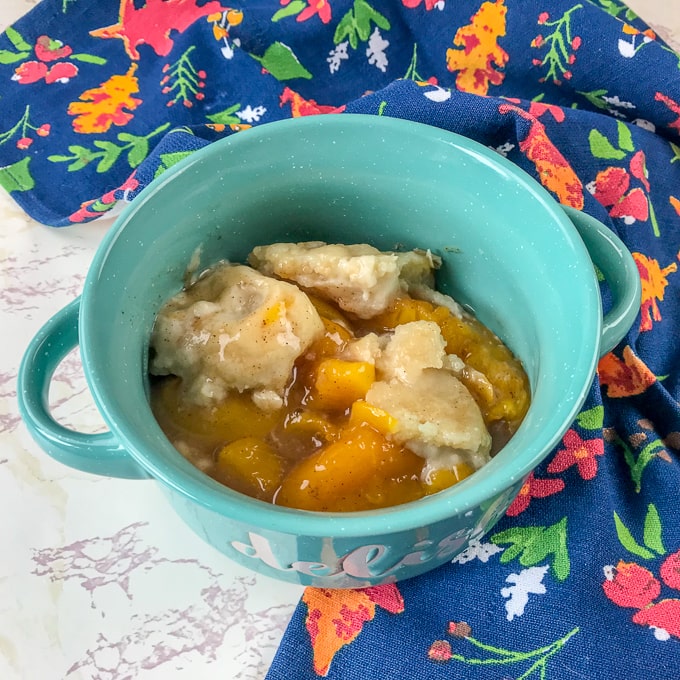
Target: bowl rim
<point>204,491</point>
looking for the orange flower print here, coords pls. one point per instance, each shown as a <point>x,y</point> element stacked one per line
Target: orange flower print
<point>299,106</point>
<point>553,168</point>
<point>336,617</point>
<point>580,452</point>
<point>533,488</point>
<point>654,280</point>
<point>480,50</point>
<point>624,377</point>
<point>675,202</point>
<point>101,107</point>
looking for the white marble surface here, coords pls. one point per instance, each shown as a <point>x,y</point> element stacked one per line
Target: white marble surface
<point>98,578</point>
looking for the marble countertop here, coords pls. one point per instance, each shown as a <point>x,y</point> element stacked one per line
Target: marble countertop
<point>98,577</point>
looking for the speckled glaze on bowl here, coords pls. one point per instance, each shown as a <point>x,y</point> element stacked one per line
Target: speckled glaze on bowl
<point>510,253</point>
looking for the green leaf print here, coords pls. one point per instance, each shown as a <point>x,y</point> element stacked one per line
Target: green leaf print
<point>676,152</point>
<point>170,159</point>
<point>282,63</point>
<point>106,153</point>
<point>295,7</point>
<point>182,81</point>
<point>356,26</point>
<point>625,138</point>
<point>616,9</point>
<point>560,46</point>
<point>17,40</point>
<point>651,536</point>
<point>533,545</point>
<point>100,207</point>
<point>652,530</point>
<point>17,177</point>
<point>79,158</point>
<point>227,116</point>
<point>628,542</point>
<point>595,97</point>
<point>591,419</point>
<point>138,152</point>
<point>111,153</point>
<point>601,147</point>
<point>88,59</point>
<point>7,57</point>
<point>637,464</point>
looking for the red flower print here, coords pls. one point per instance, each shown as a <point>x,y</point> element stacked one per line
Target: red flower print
<point>83,214</point>
<point>29,72</point>
<point>429,4</point>
<point>47,49</point>
<point>670,571</point>
<point>638,168</point>
<point>130,184</point>
<point>610,190</point>
<point>630,585</point>
<point>459,629</point>
<point>533,488</point>
<point>580,452</point>
<point>89,211</point>
<point>440,651</point>
<point>664,615</point>
<point>61,73</point>
<point>539,108</point>
<point>24,143</point>
<point>320,7</point>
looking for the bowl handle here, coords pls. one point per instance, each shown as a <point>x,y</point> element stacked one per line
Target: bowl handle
<point>616,263</point>
<point>98,453</point>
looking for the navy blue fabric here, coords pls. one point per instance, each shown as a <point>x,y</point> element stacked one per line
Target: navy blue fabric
<point>581,579</point>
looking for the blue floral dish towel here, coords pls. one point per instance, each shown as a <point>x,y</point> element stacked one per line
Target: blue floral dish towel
<point>581,579</point>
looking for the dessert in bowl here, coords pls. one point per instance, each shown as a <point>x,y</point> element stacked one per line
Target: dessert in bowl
<point>509,254</point>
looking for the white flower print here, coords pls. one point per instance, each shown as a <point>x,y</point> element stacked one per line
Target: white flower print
<point>251,115</point>
<point>439,94</point>
<point>504,149</point>
<point>337,56</point>
<point>376,50</point>
<point>527,582</point>
<point>645,124</point>
<point>477,550</point>
<point>616,101</point>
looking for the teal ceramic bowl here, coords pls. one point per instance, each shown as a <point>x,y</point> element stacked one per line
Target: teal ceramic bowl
<point>510,253</point>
